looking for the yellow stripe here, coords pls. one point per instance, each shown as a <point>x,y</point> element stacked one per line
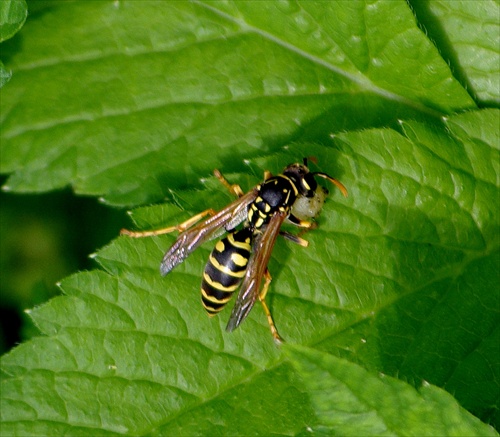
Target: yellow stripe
<point>293,184</point>
<point>240,245</point>
<point>259,223</point>
<point>239,260</point>
<point>287,197</point>
<point>219,247</point>
<point>225,269</point>
<point>213,299</point>
<point>212,312</point>
<point>218,285</point>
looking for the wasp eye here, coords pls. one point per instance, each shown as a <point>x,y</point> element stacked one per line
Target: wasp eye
<point>308,185</point>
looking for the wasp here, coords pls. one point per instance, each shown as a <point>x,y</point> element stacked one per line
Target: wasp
<point>239,261</point>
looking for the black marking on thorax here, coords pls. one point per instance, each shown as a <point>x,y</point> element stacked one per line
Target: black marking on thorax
<point>277,194</point>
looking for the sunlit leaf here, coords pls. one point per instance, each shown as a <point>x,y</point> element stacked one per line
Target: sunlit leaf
<point>348,400</point>
<point>399,277</point>
<point>468,35</point>
<point>12,17</point>
<point>127,99</point>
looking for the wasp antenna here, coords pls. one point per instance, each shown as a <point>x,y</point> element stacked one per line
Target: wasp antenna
<point>334,181</point>
<point>310,158</point>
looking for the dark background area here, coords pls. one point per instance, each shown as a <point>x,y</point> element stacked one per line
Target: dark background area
<point>44,238</point>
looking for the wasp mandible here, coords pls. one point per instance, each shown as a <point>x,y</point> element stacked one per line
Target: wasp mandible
<point>239,260</point>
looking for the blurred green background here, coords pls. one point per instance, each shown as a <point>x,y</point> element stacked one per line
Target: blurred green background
<point>44,238</point>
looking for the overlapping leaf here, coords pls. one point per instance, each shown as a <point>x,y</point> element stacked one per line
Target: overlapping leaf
<point>351,401</point>
<point>143,88</point>
<point>468,34</point>
<point>140,100</point>
<point>12,16</point>
<point>400,277</point>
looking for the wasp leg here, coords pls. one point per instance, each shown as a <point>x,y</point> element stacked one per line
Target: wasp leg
<point>267,175</point>
<point>300,223</point>
<point>233,188</point>
<point>180,227</point>
<point>262,297</point>
<point>294,238</point>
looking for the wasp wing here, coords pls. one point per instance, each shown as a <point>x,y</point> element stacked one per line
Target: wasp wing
<point>229,217</point>
<point>257,266</point>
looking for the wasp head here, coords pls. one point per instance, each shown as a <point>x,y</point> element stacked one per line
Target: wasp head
<point>302,178</point>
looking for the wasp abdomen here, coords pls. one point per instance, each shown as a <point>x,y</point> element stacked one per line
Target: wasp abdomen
<point>225,269</point>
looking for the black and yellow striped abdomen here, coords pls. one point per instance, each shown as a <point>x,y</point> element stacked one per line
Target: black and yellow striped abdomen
<point>225,269</point>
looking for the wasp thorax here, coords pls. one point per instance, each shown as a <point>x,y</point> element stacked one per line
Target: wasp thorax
<point>277,194</point>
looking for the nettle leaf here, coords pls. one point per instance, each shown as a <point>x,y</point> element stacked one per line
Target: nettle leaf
<point>468,36</point>
<point>13,14</point>
<point>348,400</point>
<point>5,75</point>
<point>139,101</point>
<point>127,99</point>
<point>12,17</point>
<point>401,277</point>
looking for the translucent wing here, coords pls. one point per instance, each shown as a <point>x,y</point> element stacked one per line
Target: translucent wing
<point>190,239</point>
<point>257,266</point>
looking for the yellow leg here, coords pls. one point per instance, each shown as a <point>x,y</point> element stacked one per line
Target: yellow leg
<point>180,227</point>
<point>300,223</point>
<point>262,298</point>
<point>295,238</point>
<point>233,188</point>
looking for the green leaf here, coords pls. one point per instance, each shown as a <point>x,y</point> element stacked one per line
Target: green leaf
<point>348,400</point>
<point>401,278</point>
<point>136,101</point>
<point>13,14</point>
<point>126,100</point>
<point>4,75</point>
<point>468,35</point>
